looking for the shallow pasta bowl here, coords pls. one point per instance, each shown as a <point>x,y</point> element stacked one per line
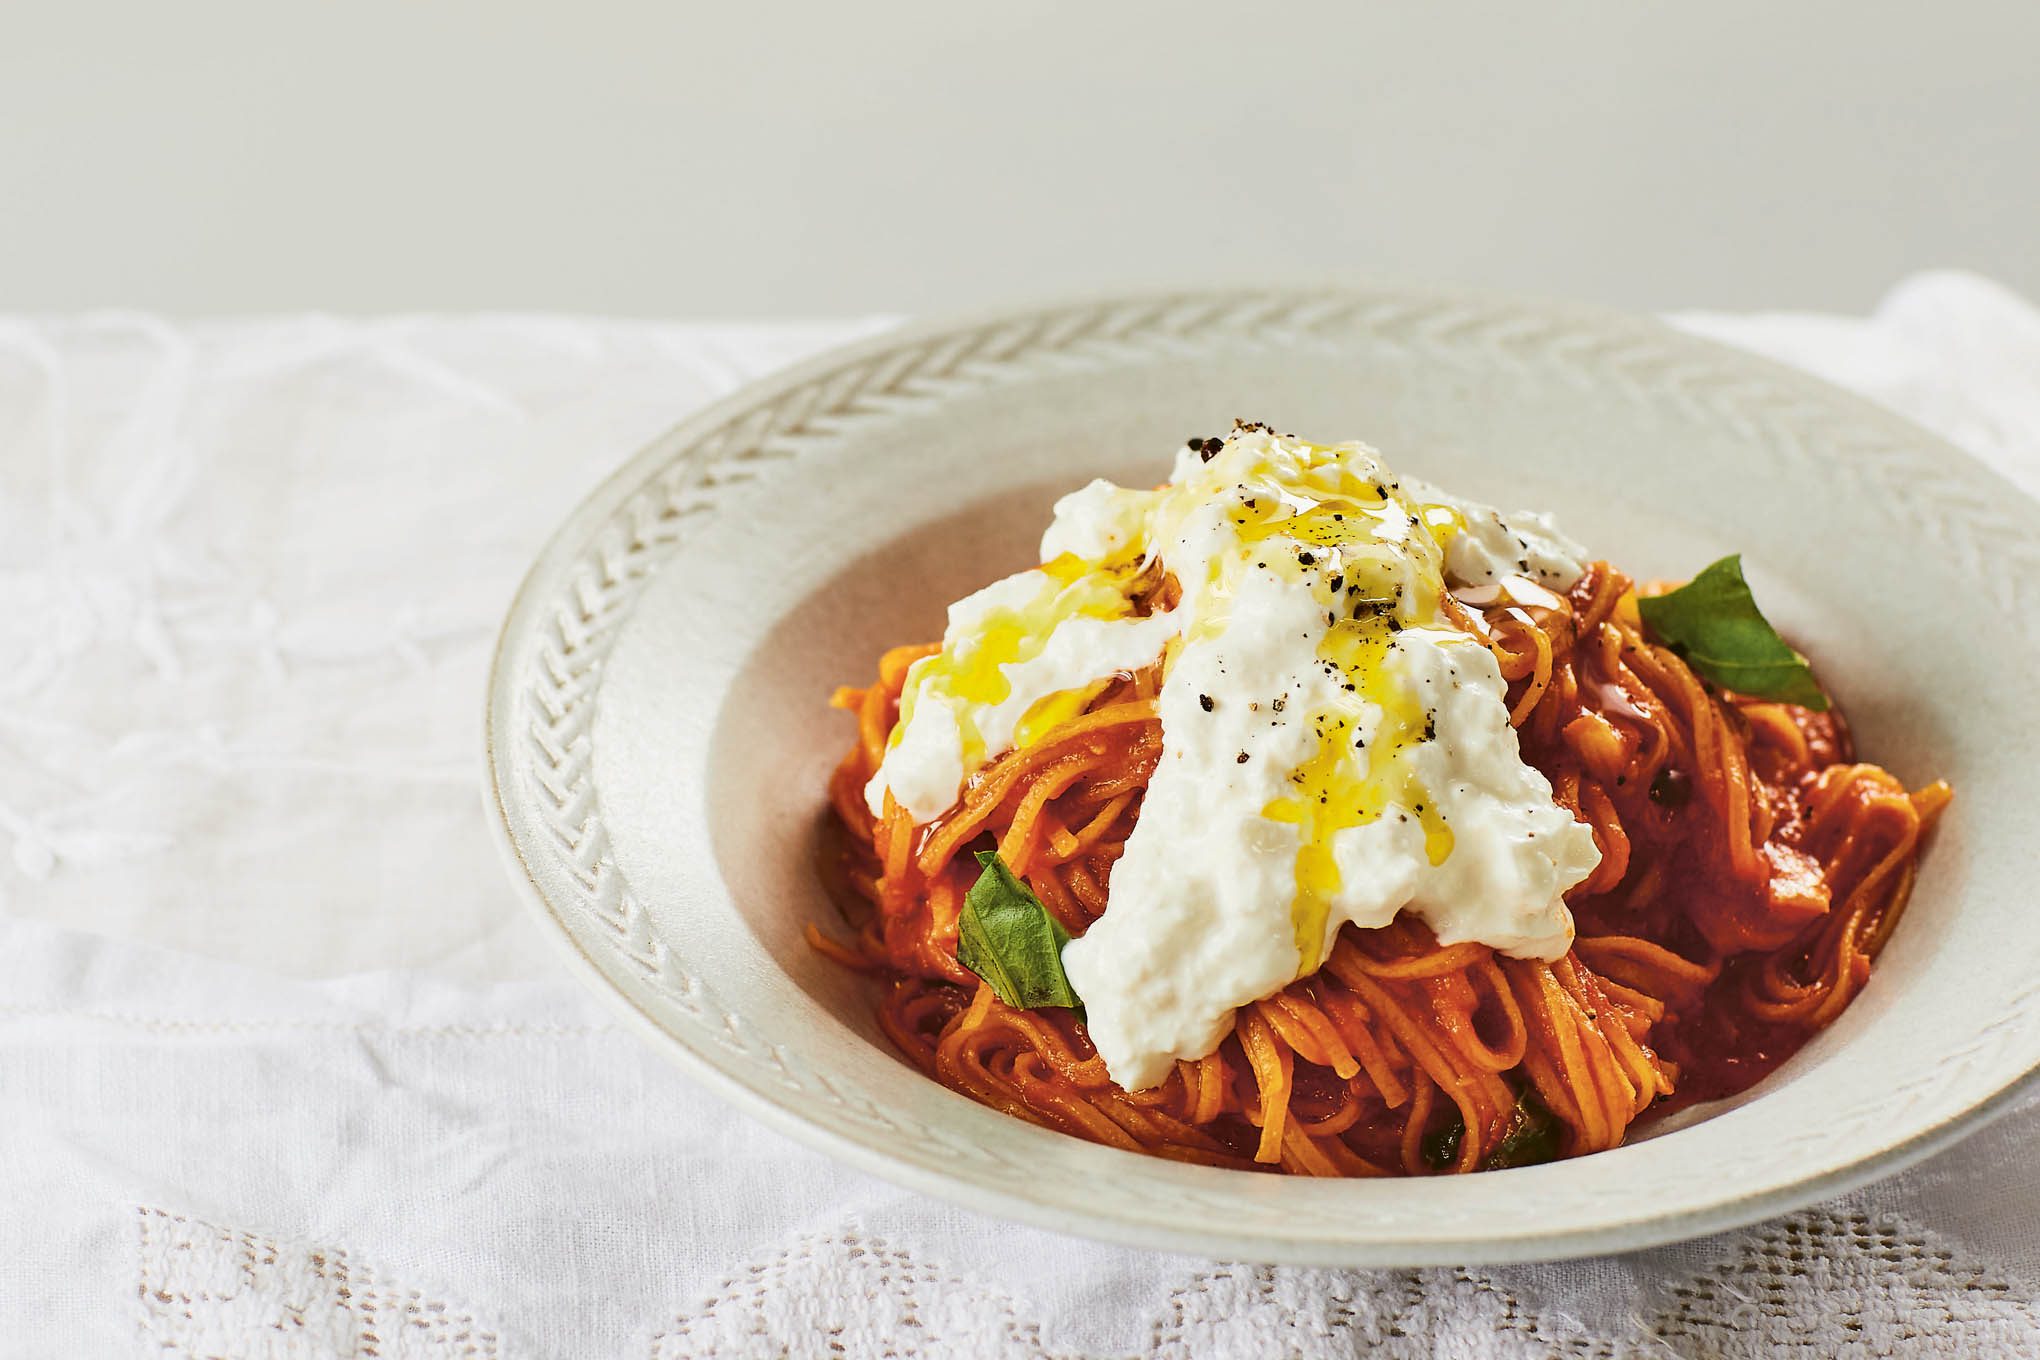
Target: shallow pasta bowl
<point>659,735</point>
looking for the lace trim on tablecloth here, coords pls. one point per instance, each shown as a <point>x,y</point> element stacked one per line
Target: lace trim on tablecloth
<point>1819,1285</point>
<point>207,1291</point>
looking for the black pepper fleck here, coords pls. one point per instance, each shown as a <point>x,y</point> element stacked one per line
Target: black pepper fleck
<point>1204,702</point>
<point>1241,759</point>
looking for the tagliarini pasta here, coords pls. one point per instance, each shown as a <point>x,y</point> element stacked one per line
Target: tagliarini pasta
<point>1463,688</point>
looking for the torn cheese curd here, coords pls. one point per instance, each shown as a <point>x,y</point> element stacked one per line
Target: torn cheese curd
<point>1335,746</point>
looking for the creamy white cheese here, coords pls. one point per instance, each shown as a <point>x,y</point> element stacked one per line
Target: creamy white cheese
<point>1098,521</point>
<point>1334,749</point>
<point>1017,644</point>
<point>1489,547</point>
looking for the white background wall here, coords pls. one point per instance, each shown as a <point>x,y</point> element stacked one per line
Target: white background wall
<point>641,156</point>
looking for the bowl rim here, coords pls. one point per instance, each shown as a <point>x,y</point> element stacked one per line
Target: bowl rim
<point>782,1112</point>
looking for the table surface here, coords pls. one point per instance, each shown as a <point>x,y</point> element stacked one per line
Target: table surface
<point>288,1073</point>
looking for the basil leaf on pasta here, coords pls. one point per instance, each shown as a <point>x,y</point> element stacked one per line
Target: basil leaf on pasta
<point>1713,622</point>
<point>1009,939</point>
<point>1441,1145</point>
<point>1532,1136</point>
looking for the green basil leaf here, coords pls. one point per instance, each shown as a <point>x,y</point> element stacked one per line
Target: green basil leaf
<point>1441,1145</point>
<point>1009,939</point>
<point>1532,1136</point>
<point>1713,622</point>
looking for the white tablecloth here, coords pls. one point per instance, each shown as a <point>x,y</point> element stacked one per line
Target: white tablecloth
<point>285,1072</point>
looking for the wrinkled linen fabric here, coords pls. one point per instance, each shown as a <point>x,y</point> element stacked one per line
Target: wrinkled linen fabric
<point>284,1071</point>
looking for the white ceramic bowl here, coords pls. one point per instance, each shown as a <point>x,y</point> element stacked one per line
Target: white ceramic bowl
<point>659,735</point>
